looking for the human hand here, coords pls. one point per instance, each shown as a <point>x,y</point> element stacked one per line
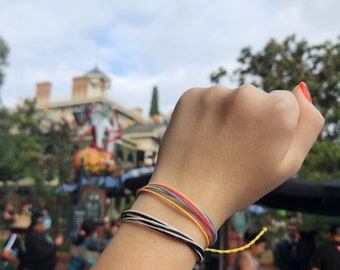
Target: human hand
<point>223,149</point>
<point>59,240</point>
<point>226,148</point>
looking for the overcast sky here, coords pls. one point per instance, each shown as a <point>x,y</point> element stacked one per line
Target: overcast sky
<point>171,44</point>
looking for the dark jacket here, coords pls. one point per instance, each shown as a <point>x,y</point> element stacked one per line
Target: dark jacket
<point>40,251</point>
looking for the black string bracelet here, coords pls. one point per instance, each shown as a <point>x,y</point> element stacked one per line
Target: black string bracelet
<point>159,226</point>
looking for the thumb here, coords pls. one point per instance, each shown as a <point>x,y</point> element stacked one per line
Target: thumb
<point>308,128</point>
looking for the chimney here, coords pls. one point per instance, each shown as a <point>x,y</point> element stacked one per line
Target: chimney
<point>43,92</point>
<point>80,85</point>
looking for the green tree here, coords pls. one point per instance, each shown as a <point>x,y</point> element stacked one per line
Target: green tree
<point>59,150</point>
<point>7,147</point>
<point>34,146</point>
<point>4,51</point>
<point>215,77</point>
<point>26,136</point>
<point>282,66</point>
<point>154,102</point>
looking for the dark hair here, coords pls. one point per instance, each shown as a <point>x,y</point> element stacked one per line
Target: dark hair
<point>89,226</point>
<point>250,234</point>
<point>38,215</point>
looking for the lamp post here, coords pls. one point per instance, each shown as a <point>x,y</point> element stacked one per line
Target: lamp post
<point>79,212</point>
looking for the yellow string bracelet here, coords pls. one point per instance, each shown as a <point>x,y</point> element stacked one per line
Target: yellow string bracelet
<point>248,245</point>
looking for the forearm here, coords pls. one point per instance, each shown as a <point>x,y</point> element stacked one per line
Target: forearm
<point>7,255</point>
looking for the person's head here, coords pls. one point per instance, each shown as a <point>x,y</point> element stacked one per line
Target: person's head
<point>26,208</point>
<point>9,207</point>
<point>88,227</point>
<point>40,220</point>
<point>259,246</point>
<point>292,230</point>
<point>107,223</point>
<point>334,232</point>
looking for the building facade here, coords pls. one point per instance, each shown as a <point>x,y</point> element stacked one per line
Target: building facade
<point>140,136</point>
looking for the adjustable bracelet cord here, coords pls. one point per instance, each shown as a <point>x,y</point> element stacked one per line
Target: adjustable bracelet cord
<point>252,242</point>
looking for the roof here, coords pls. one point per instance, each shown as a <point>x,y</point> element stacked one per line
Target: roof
<point>321,197</point>
<point>148,127</point>
<point>97,73</point>
<point>96,70</point>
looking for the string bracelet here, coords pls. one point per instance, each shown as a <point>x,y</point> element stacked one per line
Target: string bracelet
<point>150,222</point>
<point>199,212</point>
<point>189,203</point>
<point>205,233</point>
<point>246,246</point>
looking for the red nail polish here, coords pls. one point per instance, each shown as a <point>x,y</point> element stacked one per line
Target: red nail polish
<point>305,91</point>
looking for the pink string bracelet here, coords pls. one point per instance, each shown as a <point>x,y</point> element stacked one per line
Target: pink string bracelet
<point>199,212</point>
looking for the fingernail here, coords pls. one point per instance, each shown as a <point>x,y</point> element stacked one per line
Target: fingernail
<point>305,91</point>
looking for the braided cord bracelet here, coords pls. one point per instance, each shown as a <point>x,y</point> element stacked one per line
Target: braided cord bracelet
<point>246,246</point>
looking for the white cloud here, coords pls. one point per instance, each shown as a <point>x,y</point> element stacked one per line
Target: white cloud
<point>172,44</point>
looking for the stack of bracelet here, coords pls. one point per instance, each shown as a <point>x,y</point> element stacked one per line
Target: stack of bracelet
<point>179,201</point>
<point>200,218</point>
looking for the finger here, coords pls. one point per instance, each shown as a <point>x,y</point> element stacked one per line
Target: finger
<point>308,128</point>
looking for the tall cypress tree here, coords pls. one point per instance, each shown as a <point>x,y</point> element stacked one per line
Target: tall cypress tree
<point>4,51</point>
<point>154,102</point>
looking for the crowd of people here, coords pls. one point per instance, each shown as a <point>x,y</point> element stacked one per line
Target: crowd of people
<point>89,241</point>
<point>298,251</point>
<point>30,246</point>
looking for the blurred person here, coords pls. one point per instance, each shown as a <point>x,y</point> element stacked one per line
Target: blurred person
<point>306,247</point>
<point>41,248</point>
<point>248,259</point>
<point>85,245</point>
<point>26,209</point>
<point>111,228</point>
<point>9,216</point>
<point>327,257</point>
<point>14,249</point>
<point>80,243</point>
<point>286,251</point>
<point>107,229</point>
